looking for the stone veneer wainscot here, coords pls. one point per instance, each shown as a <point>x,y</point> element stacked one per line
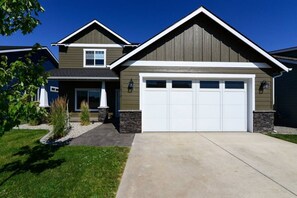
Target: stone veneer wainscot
<point>264,121</point>
<point>130,121</point>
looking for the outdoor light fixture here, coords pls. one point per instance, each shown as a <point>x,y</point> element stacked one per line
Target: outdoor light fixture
<point>263,85</point>
<point>130,86</point>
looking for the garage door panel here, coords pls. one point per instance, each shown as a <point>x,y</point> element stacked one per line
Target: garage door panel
<point>208,124</point>
<point>181,111</point>
<point>181,124</point>
<point>234,124</point>
<point>208,111</point>
<point>155,97</point>
<point>153,124</point>
<point>209,97</point>
<point>181,97</point>
<point>155,111</point>
<point>234,98</point>
<point>234,111</point>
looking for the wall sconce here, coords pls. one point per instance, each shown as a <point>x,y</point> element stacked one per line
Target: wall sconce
<point>263,85</point>
<point>130,86</point>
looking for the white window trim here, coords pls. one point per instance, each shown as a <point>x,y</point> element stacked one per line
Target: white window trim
<point>95,66</point>
<point>54,89</point>
<point>84,89</point>
<point>250,79</point>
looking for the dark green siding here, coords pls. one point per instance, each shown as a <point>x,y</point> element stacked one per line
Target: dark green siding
<point>130,101</point>
<point>200,39</point>
<point>94,37</point>
<point>72,57</point>
<point>95,34</point>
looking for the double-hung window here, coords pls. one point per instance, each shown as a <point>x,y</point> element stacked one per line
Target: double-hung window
<point>94,57</point>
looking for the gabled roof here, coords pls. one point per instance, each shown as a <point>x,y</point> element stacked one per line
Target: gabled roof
<point>11,49</point>
<point>187,18</point>
<point>88,25</point>
<point>291,49</point>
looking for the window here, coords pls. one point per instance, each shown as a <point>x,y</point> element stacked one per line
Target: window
<point>54,89</point>
<point>156,84</point>
<point>209,84</point>
<point>91,96</point>
<point>234,85</point>
<point>182,84</point>
<point>94,58</point>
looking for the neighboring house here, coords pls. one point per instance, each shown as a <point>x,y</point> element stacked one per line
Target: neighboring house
<point>199,74</point>
<point>17,52</point>
<point>286,88</point>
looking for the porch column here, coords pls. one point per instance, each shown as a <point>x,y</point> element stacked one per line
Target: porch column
<point>103,108</point>
<point>103,97</point>
<point>43,100</point>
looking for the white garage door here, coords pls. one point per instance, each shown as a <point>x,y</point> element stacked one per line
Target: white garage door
<point>194,105</point>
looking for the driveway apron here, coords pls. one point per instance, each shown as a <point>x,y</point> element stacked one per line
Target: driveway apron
<point>209,165</point>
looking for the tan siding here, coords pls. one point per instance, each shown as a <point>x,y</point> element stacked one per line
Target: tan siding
<point>130,101</point>
<point>72,57</point>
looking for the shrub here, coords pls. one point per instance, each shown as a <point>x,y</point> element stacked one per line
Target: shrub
<point>58,117</point>
<point>84,114</point>
<point>38,117</point>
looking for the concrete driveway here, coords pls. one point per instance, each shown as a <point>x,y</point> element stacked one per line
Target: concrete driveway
<point>209,165</point>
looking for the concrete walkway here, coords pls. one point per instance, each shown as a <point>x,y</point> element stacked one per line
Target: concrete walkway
<point>209,165</point>
<point>104,135</point>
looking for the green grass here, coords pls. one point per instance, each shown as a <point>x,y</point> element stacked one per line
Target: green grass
<point>286,137</point>
<point>30,169</point>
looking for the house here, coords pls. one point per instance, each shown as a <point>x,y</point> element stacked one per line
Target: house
<point>286,88</point>
<point>14,53</point>
<point>199,74</point>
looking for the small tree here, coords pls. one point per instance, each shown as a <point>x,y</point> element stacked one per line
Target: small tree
<point>18,80</point>
<point>84,114</point>
<point>58,117</point>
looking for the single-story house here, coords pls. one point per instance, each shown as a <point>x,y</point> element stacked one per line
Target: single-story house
<point>14,53</point>
<point>286,88</point>
<point>199,74</point>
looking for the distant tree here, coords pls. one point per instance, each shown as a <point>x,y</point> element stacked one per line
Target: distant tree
<point>19,15</point>
<point>19,80</point>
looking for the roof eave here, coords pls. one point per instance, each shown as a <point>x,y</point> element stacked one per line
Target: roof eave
<point>187,18</point>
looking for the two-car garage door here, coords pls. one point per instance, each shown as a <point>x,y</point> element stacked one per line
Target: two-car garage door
<point>194,105</point>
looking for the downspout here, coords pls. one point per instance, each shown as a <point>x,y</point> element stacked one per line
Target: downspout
<point>273,86</point>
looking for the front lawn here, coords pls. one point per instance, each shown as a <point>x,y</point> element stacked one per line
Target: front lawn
<point>30,169</point>
<point>286,137</point>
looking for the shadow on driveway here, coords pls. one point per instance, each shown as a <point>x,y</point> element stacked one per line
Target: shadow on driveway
<point>103,135</point>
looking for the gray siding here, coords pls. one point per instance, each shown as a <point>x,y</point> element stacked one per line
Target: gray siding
<point>130,101</point>
<point>72,57</point>
<point>200,40</point>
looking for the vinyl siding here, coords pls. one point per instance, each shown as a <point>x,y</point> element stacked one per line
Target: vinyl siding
<point>72,57</point>
<point>130,101</point>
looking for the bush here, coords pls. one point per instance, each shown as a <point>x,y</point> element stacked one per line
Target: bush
<point>84,114</point>
<point>58,117</point>
<point>38,117</point>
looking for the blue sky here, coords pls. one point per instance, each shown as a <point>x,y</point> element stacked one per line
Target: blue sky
<point>272,24</point>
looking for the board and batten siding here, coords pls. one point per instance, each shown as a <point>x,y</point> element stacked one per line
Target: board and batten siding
<point>94,35</point>
<point>130,101</point>
<point>72,57</point>
<point>200,39</point>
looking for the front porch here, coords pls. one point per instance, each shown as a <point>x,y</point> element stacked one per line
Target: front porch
<point>98,87</point>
